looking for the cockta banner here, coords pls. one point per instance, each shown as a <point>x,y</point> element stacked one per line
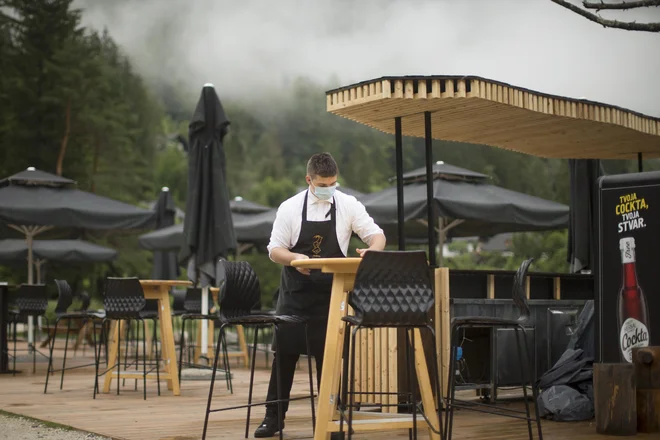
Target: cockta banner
<point>627,302</point>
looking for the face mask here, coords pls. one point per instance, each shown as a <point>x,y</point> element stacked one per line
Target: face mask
<point>325,193</point>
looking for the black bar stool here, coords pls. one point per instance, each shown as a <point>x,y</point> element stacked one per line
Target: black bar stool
<point>518,325</point>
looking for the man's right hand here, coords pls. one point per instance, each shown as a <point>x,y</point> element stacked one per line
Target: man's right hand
<point>302,270</point>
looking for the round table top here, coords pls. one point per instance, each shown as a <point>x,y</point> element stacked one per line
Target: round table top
<point>330,265</point>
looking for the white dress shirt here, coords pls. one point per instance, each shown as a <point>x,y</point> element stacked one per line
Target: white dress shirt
<point>351,216</point>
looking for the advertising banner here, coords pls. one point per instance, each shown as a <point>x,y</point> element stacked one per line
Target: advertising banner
<point>628,275</point>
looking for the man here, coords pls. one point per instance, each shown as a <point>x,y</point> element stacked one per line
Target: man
<point>316,223</point>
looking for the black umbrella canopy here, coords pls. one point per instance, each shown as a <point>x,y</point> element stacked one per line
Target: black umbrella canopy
<point>582,230</point>
<point>240,205</point>
<point>34,197</point>
<point>70,251</point>
<point>208,232</point>
<point>480,208</point>
<point>445,171</point>
<point>165,266</point>
<point>249,229</point>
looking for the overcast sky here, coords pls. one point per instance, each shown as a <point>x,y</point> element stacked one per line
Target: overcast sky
<point>247,46</point>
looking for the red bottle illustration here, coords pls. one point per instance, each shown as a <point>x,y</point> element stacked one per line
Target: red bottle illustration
<point>633,310</point>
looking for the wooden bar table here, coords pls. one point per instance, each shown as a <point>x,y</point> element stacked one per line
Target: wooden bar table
<point>327,417</point>
<point>160,290</point>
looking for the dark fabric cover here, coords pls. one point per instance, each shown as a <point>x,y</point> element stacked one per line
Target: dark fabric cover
<point>51,202</point>
<point>56,250</point>
<point>208,232</point>
<point>582,229</point>
<point>486,210</point>
<point>165,265</point>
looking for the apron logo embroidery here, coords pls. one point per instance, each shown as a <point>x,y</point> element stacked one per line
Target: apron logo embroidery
<point>316,246</point>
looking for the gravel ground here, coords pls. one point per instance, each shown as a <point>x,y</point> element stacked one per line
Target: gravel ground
<point>19,428</point>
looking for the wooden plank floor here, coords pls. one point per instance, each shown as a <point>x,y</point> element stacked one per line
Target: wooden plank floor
<point>167,417</point>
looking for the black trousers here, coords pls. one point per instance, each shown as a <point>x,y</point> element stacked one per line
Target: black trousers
<point>287,370</point>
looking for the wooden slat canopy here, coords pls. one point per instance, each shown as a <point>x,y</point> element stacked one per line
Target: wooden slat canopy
<point>481,111</point>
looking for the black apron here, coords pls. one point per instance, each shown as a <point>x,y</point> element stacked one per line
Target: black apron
<point>308,295</point>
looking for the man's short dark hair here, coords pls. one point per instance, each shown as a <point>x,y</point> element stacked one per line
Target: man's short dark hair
<point>322,165</point>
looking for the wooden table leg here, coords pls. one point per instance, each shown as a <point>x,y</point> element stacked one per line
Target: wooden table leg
<point>425,386</point>
<point>332,363</point>
<point>113,352</point>
<point>167,339</point>
<point>242,344</point>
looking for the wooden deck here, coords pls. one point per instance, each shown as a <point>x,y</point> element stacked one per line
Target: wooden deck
<point>168,417</point>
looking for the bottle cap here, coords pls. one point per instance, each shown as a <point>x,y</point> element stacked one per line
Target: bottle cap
<point>627,243</point>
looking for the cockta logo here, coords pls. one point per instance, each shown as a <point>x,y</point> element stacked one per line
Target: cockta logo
<point>316,245</point>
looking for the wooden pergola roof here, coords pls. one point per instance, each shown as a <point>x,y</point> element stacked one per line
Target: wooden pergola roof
<point>482,111</point>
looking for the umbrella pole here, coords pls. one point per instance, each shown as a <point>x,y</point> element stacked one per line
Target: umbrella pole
<point>441,240</point>
<point>29,237</point>
<point>428,143</point>
<point>640,162</point>
<point>398,140</point>
<point>204,323</point>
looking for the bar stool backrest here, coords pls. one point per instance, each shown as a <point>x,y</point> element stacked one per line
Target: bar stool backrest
<point>193,301</point>
<point>31,299</point>
<point>393,288</point>
<point>179,296</point>
<point>519,294</point>
<point>124,298</point>
<point>85,300</point>
<point>64,297</point>
<point>240,293</point>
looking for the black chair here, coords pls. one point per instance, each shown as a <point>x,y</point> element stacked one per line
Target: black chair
<point>28,300</point>
<point>124,300</point>
<point>391,289</point>
<point>64,301</point>
<point>238,295</point>
<point>193,306</point>
<point>518,325</point>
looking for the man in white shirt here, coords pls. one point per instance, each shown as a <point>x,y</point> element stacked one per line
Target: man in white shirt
<point>316,223</point>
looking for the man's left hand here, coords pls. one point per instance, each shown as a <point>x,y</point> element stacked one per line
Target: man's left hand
<point>361,252</point>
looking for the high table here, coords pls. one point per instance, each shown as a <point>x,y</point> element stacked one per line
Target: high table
<point>153,289</point>
<point>327,417</point>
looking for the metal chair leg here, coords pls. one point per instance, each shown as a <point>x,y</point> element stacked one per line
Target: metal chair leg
<point>66,347</point>
<point>144,355</point>
<point>523,367</point>
<point>223,339</point>
<point>182,345</point>
<point>252,365</point>
<point>352,384</point>
<point>155,339</point>
<point>208,405</point>
<point>344,377</point>
<point>280,410</point>
<point>533,383</point>
<point>311,380</point>
<point>51,346</point>
<point>451,382</point>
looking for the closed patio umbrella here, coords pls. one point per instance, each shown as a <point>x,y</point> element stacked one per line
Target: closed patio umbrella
<point>208,231</point>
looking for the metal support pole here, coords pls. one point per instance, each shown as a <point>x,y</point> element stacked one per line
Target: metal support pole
<point>398,138</point>
<point>430,199</point>
<point>640,164</point>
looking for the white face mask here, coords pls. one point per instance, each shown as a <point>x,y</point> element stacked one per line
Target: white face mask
<point>324,192</point>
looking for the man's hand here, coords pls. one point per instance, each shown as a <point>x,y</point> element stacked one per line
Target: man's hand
<point>361,252</point>
<point>302,270</point>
